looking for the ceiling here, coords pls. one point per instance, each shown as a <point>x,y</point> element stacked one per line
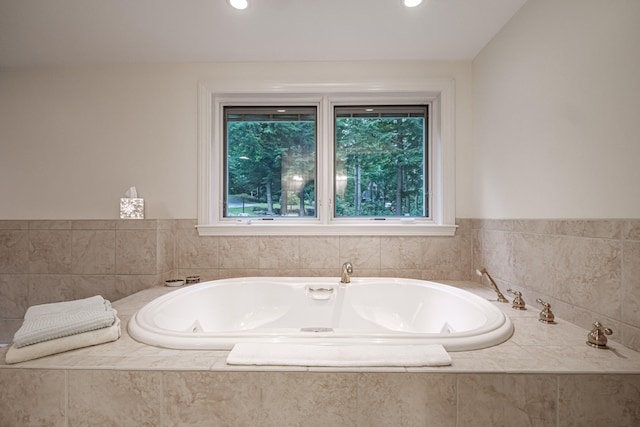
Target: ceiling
<point>75,32</point>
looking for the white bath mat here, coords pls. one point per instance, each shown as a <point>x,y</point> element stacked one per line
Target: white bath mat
<point>338,355</point>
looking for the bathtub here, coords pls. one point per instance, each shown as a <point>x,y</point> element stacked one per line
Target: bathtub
<point>216,315</point>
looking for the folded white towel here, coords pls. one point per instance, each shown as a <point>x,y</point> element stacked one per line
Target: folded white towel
<point>50,321</point>
<point>338,355</point>
<point>59,345</point>
<point>96,302</point>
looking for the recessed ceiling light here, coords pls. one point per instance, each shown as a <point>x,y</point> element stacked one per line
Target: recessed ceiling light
<point>411,3</point>
<point>239,4</point>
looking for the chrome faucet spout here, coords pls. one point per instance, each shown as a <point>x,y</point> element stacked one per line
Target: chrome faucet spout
<point>483,272</point>
<point>347,270</point>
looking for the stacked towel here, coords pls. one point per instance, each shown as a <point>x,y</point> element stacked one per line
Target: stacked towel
<point>57,327</point>
<point>50,321</point>
<point>60,345</point>
<point>338,355</point>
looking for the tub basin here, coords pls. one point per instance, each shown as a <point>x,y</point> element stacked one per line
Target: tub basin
<point>216,315</point>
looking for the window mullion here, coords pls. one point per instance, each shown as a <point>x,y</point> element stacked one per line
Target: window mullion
<point>325,171</point>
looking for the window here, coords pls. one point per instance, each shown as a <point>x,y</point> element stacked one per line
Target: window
<point>318,159</point>
<point>380,161</point>
<point>270,161</point>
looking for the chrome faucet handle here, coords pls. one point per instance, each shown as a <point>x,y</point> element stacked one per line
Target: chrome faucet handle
<point>347,270</point>
<point>518,302</point>
<point>597,337</point>
<point>546,316</point>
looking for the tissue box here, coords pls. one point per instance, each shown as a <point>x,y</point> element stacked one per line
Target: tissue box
<point>131,208</point>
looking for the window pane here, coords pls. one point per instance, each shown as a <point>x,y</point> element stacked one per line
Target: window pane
<point>380,160</point>
<point>270,161</point>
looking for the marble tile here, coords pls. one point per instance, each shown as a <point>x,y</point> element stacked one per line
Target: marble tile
<point>211,398</point>
<point>137,224</point>
<point>186,224</point>
<point>320,252</point>
<point>598,400</point>
<point>599,228</point>
<point>128,284</point>
<point>534,226</point>
<point>166,251</point>
<point>14,295</point>
<point>529,262</point>
<point>136,251</point>
<point>308,398</point>
<point>32,397</point>
<point>9,224</point>
<point>401,253</point>
<point>362,251</point>
<point>46,288</point>
<point>93,252</point>
<point>93,224</point>
<point>631,282</point>
<point>117,398</point>
<point>631,229</point>
<point>84,286</point>
<point>531,332</point>
<point>494,224</point>
<point>8,328</point>
<point>49,251</point>
<point>583,358</point>
<point>444,253</point>
<point>630,336</point>
<point>195,251</point>
<point>324,272</point>
<point>14,251</point>
<point>506,400</point>
<point>465,225</point>
<point>406,399</point>
<point>239,252</point>
<point>493,249</point>
<point>49,225</point>
<point>279,252</point>
<point>586,272</point>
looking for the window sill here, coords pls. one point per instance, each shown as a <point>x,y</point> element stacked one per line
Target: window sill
<point>257,229</point>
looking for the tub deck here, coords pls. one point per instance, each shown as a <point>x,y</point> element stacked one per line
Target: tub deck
<point>544,374</point>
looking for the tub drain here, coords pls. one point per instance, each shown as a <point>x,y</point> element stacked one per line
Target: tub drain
<point>316,329</point>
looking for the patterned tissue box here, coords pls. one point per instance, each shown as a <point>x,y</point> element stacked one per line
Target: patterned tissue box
<point>131,208</point>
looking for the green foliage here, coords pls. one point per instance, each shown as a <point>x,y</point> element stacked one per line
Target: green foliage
<point>383,160</point>
<point>269,160</point>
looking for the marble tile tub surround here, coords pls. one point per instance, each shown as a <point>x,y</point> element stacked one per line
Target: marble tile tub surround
<point>586,269</point>
<point>51,261</point>
<point>543,376</point>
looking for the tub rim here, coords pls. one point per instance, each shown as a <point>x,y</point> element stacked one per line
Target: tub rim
<point>498,329</point>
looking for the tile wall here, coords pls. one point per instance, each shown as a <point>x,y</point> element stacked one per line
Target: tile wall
<point>174,398</point>
<point>50,261</point>
<point>587,269</point>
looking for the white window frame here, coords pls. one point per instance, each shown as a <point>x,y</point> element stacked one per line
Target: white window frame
<point>438,93</point>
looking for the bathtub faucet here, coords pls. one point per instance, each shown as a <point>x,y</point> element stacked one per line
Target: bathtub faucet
<point>483,272</point>
<point>345,276</point>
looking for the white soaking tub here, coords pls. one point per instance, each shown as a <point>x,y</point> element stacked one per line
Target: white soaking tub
<point>216,315</point>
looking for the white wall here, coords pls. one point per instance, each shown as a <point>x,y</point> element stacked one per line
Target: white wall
<point>556,113</point>
<point>72,140</point>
